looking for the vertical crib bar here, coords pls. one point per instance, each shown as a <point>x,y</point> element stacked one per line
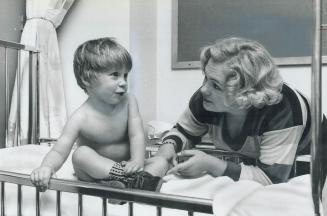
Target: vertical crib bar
<point>130,209</point>
<point>18,98</point>
<point>80,204</point>
<point>2,198</point>
<point>159,211</point>
<point>7,96</point>
<point>19,200</point>
<point>104,206</point>
<point>37,202</point>
<point>190,213</point>
<point>316,186</point>
<point>58,203</point>
<point>36,104</point>
<point>32,74</point>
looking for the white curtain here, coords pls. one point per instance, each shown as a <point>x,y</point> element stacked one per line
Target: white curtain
<point>43,17</point>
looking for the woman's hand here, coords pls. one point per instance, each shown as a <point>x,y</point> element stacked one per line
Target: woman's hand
<point>195,166</point>
<point>133,166</point>
<point>40,177</point>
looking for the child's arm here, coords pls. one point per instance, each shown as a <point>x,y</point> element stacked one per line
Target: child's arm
<point>136,138</point>
<point>58,154</point>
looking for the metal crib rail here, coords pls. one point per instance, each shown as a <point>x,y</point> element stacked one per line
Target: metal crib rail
<point>33,59</point>
<point>189,204</point>
<point>17,46</point>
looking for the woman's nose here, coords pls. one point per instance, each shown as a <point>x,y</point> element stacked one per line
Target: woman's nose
<point>204,89</point>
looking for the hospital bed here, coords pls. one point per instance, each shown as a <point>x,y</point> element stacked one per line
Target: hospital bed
<point>68,196</point>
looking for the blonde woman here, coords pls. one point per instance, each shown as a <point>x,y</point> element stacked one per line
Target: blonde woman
<point>246,109</point>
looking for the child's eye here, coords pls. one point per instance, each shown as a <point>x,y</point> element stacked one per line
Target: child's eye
<point>114,74</point>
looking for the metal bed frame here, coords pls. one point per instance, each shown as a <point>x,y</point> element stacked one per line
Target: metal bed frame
<point>316,113</point>
<point>160,200</point>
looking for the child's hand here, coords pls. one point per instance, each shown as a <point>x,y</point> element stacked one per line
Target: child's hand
<point>133,166</point>
<point>40,177</point>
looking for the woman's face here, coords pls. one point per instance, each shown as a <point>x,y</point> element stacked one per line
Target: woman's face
<point>213,87</point>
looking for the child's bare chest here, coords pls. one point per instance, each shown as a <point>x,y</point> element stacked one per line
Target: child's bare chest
<point>105,129</point>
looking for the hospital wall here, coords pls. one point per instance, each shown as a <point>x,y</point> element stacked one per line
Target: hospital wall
<point>144,27</point>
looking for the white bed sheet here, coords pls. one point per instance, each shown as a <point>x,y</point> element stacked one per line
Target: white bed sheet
<point>230,198</point>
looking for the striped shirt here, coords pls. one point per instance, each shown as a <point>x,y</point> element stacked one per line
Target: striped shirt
<point>273,135</point>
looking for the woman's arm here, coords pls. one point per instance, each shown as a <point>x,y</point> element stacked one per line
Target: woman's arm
<point>277,154</point>
<point>198,164</point>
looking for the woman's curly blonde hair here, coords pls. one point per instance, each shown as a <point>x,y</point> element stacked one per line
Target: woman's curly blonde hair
<point>253,78</point>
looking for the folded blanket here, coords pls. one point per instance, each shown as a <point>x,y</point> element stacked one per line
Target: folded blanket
<point>249,198</point>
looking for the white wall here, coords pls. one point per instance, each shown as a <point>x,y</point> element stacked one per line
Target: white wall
<point>174,88</point>
<point>88,20</point>
<point>143,41</point>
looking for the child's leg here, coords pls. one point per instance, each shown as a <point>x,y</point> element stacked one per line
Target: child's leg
<point>89,165</point>
<point>81,175</point>
<point>149,179</point>
<point>157,166</point>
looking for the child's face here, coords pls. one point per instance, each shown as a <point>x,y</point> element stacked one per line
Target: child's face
<point>110,86</point>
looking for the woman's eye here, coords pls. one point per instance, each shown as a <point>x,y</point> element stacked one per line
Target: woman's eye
<point>215,86</point>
